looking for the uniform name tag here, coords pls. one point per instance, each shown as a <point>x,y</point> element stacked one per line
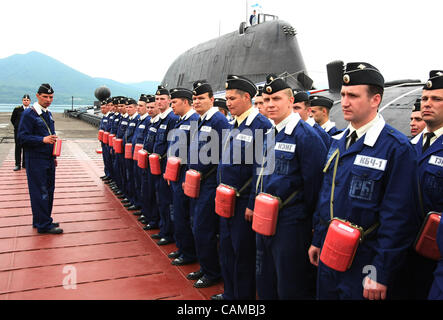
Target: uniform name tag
<point>153,129</point>
<point>132,124</point>
<point>436,161</point>
<point>124,123</point>
<point>117,119</point>
<point>370,162</point>
<point>206,129</point>
<point>244,137</point>
<point>163,126</point>
<point>105,120</point>
<point>286,147</point>
<point>142,126</point>
<point>185,127</point>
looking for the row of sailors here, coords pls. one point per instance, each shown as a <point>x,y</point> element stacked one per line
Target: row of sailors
<point>271,233</point>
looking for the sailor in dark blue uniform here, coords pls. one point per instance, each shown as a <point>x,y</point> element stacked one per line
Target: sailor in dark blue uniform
<point>163,190</point>
<point>204,156</point>
<point>105,107</point>
<point>117,185</point>
<point>133,119</point>
<point>417,124</point>
<point>291,172</point>
<point>320,108</point>
<point>140,132</point>
<point>119,160</point>
<point>429,148</point>
<point>36,133</point>
<point>110,152</point>
<point>302,105</point>
<point>179,142</point>
<point>150,212</point>
<point>370,181</point>
<point>237,169</point>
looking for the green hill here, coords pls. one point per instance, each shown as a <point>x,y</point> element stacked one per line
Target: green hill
<point>23,73</point>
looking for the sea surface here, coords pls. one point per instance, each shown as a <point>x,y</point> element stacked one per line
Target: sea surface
<point>60,108</point>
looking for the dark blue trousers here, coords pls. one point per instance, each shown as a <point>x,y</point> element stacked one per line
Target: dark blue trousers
<point>149,202</point>
<point>106,160</point>
<point>165,208</point>
<point>283,268</point>
<point>41,185</point>
<point>129,180</point>
<point>237,254</point>
<point>205,228</point>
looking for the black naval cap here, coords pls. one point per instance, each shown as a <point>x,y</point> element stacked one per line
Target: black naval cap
<point>241,83</point>
<point>274,84</point>
<point>150,97</point>
<point>122,100</point>
<point>181,93</point>
<point>109,100</point>
<point>417,105</point>
<point>200,87</point>
<point>300,96</point>
<point>259,91</point>
<point>357,73</point>
<point>143,98</point>
<point>45,88</point>
<point>130,101</point>
<point>115,100</point>
<point>435,80</point>
<point>26,96</point>
<point>161,90</point>
<point>220,103</point>
<point>320,101</point>
<point>103,103</point>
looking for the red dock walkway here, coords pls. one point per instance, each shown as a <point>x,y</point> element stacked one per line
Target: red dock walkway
<point>103,253</point>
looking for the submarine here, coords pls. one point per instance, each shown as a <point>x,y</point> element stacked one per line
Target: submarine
<point>271,46</point>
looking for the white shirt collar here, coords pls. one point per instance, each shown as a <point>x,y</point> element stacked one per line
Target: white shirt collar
<point>372,130</point>
<point>107,114</point>
<point>133,116</point>
<point>143,117</point>
<point>289,123</point>
<point>252,116</point>
<point>437,133</point>
<point>188,114</point>
<point>328,125</point>
<point>165,113</point>
<point>208,114</point>
<point>155,119</point>
<point>39,109</point>
<point>125,115</point>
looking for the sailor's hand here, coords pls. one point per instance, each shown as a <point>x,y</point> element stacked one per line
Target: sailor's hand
<point>314,255</point>
<point>248,214</point>
<point>373,290</point>
<point>50,139</point>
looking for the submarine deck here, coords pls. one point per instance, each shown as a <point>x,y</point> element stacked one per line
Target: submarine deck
<point>103,254</point>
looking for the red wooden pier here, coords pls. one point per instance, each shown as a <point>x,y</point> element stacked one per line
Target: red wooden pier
<point>103,254</point>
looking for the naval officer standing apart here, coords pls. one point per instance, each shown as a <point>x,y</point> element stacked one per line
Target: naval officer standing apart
<point>37,135</point>
<point>15,120</point>
<point>370,181</point>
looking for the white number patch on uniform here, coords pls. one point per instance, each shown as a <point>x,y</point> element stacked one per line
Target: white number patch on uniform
<point>287,147</point>
<point>370,162</point>
<point>153,129</point>
<point>142,126</point>
<point>163,126</point>
<point>132,124</point>
<point>185,127</point>
<point>436,161</point>
<point>124,123</point>
<point>243,137</point>
<point>206,129</point>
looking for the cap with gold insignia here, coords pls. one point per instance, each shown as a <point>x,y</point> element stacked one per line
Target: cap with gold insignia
<point>259,91</point>
<point>45,88</point>
<point>151,98</point>
<point>320,101</point>
<point>102,103</point>
<point>274,84</point>
<point>109,100</point>
<point>161,90</point>
<point>357,73</point>
<point>180,93</point>
<point>130,101</point>
<point>241,83</point>
<point>143,98</point>
<point>435,80</point>
<point>122,100</point>
<point>200,87</point>
<point>220,103</point>
<point>26,96</point>
<point>300,96</point>
<point>417,105</point>
<point>115,100</point>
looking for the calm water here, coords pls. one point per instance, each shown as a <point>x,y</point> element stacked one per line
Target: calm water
<point>54,108</point>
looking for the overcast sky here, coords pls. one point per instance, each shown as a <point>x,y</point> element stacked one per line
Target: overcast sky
<point>135,40</point>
